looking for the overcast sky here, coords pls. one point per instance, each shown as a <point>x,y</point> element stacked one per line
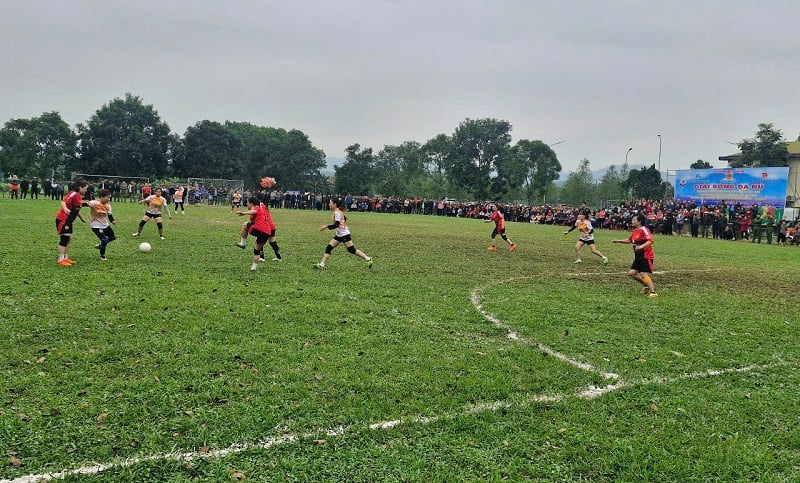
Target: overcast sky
<point>601,76</point>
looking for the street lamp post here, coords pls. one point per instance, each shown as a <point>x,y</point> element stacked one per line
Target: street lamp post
<point>626,155</point>
<point>659,153</point>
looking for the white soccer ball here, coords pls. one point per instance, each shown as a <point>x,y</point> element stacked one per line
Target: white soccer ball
<point>144,247</point>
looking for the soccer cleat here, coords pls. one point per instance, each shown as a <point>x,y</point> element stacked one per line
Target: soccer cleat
<point>136,234</point>
<point>70,261</point>
<point>319,266</point>
<point>240,245</point>
<point>260,259</point>
<point>64,263</point>
<point>276,259</point>
<point>652,295</point>
<point>605,261</point>
<point>492,248</point>
<point>97,246</point>
<point>162,238</point>
<point>577,261</point>
<point>103,258</point>
<point>370,263</point>
<point>512,248</point>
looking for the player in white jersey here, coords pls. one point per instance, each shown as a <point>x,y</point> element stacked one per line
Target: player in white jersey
<point>584,226</point>
<point>342,235</point>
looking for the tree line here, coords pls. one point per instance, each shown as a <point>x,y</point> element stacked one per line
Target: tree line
<point>477,161</point>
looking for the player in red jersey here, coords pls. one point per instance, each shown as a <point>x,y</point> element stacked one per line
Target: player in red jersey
<point>261,227</point>
<point>642,267</point>
<point>70,209</point>
<point>499,220</point>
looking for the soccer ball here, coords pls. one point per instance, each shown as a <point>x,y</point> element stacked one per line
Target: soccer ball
<point>144,247</point>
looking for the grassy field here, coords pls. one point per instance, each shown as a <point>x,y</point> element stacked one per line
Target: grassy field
<point>444,362</point>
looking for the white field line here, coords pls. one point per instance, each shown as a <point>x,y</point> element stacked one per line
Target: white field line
<point>475,298</point>
<point>588,393</point>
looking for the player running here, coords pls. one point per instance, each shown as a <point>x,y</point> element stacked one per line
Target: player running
<point>643,255</point>
<point>499,220</point>
<point>342,235</point>
<point>99,220</point>
<point>584,226</point>
<point>261,227</point>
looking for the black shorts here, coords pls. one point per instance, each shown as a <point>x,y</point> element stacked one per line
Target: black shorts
<point>642,265</point>
<point>496,232</point>
<point>63,227</point>
<point>342,239</point>
<point>586,242</point>
<point>152,215</point>
<point>261,237</point>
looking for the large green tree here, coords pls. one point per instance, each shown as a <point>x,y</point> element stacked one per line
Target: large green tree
<point>536,168</point>
<point>767,148</point>
<point>41,146</point>
<point>356,176</point>
<point>645,183</point>
<point>477,157</point>
<point>436,152</point>
<point>125,138</point>
<point>210,150</point>
<point>287,156</point>
<point>399,170</point>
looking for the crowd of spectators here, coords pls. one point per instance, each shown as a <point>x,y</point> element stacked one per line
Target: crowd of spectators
<point>723,221</point>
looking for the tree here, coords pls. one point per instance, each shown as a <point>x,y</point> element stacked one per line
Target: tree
<point>125,138</point>
<point>700,164</point>
<point>645,183</point>
<point>356,175</point>
<point>399,170</point>
<point>435,153</point>
<point>477,156</point>
<point>210,150</point>
<point>538,168</point>
<point>767,148</point>
<point>611,186</point>
<point>579,185</point>
<point>41,146</point>
<point>287,156</point>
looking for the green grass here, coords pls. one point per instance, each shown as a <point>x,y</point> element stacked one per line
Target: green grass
<point>285,370</point>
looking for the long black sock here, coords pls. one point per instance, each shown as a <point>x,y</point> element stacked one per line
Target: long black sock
<point>275,249</point>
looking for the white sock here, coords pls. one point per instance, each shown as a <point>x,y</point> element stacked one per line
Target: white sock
<point>254,266</point>
<point>243,241</point>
